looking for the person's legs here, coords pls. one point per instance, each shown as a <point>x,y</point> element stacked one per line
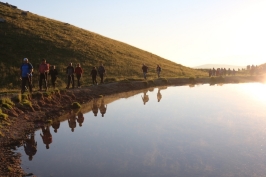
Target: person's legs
<point>30,83</point>
<point>23,84</point>
<point>68,80</point>
<point>73,83</point>
<point>45,80</point>
<point>40,81</point>
<point>101,76</point>
<point>144,75</point>
<point>78,78</point>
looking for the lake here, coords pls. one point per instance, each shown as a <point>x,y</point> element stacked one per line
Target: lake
<point>181,131</point>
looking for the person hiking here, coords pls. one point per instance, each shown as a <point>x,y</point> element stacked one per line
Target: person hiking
<point>145,70</point>
<point>53,73</point>
<point>70,75</point>
<point>93,75</point>
<point>158,70</point>
<point>26,70</point>
<point>47,136</point>
<point>30,146</point>
<point>101,71</point>
<point>43,70</point>
<point>78,71</point>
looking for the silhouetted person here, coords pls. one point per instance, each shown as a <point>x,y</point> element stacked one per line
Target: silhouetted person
<point>103,107</point>
<point>53,73</point>
<point>101,71</point>
<point>144,70</point>
<point>43,70</point>
<point>159,95</point>
<point>47,136</point>
<point>80,119</point>
<point>145,98</point>
<point>158,70</point>
<point>26,70</point>
<point>95,107</point>
<point>79,72</point>
<point>30,146</point>
<point>72,121</point>
<point>56,125</point>
<point>70,75</point>
<point>93,75</point>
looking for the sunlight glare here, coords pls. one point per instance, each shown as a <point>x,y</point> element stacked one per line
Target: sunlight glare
<point>255,91</point>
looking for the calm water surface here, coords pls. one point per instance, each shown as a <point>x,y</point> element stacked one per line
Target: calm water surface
<point>191,131</point>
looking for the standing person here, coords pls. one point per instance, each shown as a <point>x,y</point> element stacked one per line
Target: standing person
<point>70,75</point>
<point>78,71</point>
<point>53,72</point>
<point>158,70</point>
<point>43,70</point>
<point>145,70</point>
<point>93,75</point>
<point>26,70</point>
<point>101,72</point>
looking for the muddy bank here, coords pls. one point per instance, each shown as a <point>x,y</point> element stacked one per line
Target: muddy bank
<point>44,107</point>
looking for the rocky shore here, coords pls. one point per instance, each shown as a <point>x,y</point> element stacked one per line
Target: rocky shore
<point>43,106</point>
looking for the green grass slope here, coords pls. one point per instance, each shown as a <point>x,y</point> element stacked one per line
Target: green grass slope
<point>37,37</point>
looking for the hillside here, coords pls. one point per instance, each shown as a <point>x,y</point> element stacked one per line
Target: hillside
<point>24,34</point>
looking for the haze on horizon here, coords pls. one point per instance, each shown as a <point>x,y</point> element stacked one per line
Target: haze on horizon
<point>190,32</point>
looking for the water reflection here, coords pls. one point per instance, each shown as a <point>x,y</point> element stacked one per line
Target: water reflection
<point>103,107</point>
<point>56,125</point>
<point>80,118</point>
<point>72,120</point>
<point>47,136</point>
<point>159,94</point>
<point>30,145</point>
<point>145,97</point>
<point>95,106</point>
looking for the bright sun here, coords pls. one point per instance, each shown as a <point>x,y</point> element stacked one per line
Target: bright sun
<point>256,91</point>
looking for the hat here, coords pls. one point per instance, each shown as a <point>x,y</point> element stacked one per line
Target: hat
<point>25,59</point>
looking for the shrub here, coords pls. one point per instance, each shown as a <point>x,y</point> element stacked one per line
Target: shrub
<point>76,105</point>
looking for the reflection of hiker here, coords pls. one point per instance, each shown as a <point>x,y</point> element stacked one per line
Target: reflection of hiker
<point>56,125</point>
<point>80,118</point>
<point>93,75</point>
<point>72,122</point>
<point>70,75</point>
<point>47,136</point>
<point>78,71</point>
<point>144,70</point>
<point>53,73</point>
<point>101,72</point>
<point>159,95</point>
<point>26,70</point>
<point>30,146</point>
<point>95,107</point>
<point>43,70</point>
<point>158,70</point>
<point>145,98</point>
<point>103,107</point>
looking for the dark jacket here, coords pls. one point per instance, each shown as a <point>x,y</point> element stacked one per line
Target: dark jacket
<point>94,72</point>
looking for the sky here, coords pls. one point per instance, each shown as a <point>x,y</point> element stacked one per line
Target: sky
<point>188,32</point>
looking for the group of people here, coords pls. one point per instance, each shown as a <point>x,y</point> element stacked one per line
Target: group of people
<point>221,72</point>
<point>145,70</point>
<point>26,72</point>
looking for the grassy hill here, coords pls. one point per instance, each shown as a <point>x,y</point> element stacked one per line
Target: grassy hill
<point>37,37</point>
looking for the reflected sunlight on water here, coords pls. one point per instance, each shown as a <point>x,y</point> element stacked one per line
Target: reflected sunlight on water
<point>256,91</point>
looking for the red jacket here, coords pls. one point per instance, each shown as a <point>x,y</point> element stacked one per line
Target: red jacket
<point>78,70</point>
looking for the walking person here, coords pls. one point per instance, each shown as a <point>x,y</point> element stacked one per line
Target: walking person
<point>79,72</point>
<point>101,71</point>
<point>158,70</point>
<point>70,75</point>
<point>26,70</point>
<point>53,73</point>
<point>145,70</point>
<point>43,70</point>
<point>93,75</point>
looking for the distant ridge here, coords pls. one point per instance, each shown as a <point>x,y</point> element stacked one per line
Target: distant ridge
<point>24,34</point>
<point>208,66</point>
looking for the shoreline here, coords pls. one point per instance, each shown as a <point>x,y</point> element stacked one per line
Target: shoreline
<point>45,107</point>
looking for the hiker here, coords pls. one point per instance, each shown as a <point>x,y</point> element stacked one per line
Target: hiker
<point>43,70</point>
<point>53,72</point>
<point>145,70</point>
<point>80,118</point>
<point>210,72</point>
<point>101,72</point>
<point>158,70</point>
<point>103,107</point>
<point>56,125</point>
<point>78,71</point>
<point>72,121</point>
<point>145,97</point>
<point>47,136</point>
<point>26,70</point>
<point>30,146</point>
<point>93,75</point>
<point>70,75</point>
